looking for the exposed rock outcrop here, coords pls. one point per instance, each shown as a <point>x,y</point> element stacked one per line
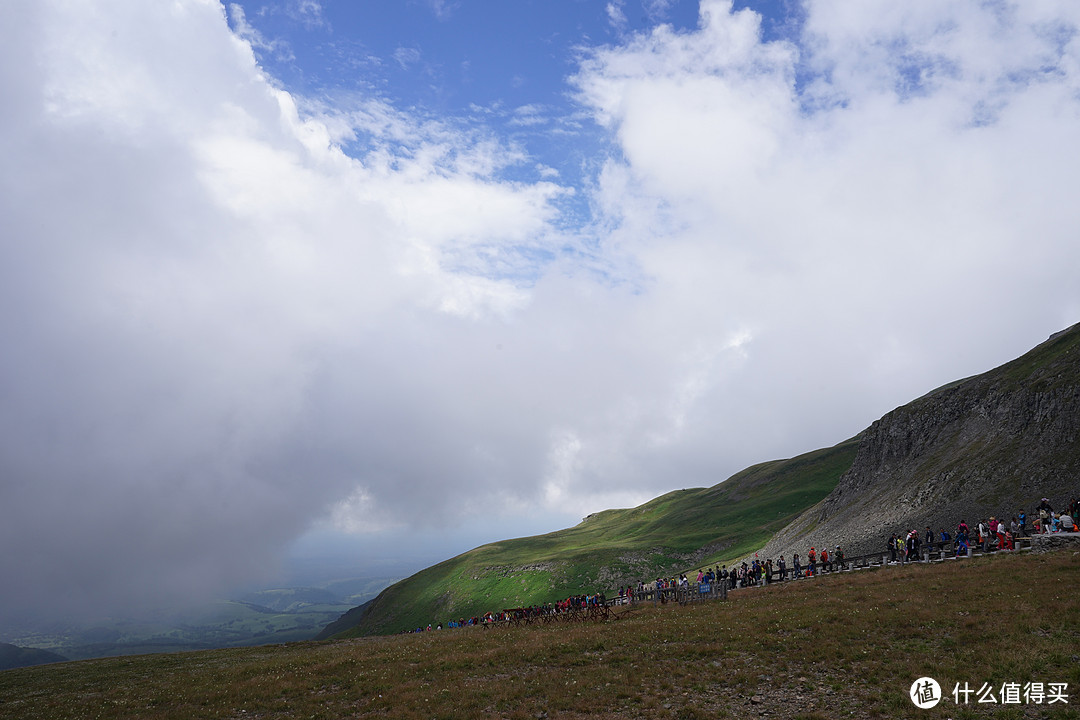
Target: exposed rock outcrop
<point>1055,541</point>
<point>989,445</point>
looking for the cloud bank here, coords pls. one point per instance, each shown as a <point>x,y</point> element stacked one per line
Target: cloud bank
<point>221,327</point>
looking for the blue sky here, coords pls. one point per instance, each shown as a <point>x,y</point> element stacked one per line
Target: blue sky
<point>445,57</point>
<point>496,68</point>
<point>402,278</point>
<point>503,67</point>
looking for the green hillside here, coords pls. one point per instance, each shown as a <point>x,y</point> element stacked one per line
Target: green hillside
<point>677,531</point>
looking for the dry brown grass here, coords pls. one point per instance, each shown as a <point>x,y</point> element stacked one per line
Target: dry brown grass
<point>835,647</point>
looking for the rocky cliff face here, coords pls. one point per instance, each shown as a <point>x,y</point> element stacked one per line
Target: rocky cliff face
<point>989,445</point>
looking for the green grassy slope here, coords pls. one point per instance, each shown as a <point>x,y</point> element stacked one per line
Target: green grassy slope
<point>677,531</point>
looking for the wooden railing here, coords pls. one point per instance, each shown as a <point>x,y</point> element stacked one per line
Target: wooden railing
<point>681,594</point>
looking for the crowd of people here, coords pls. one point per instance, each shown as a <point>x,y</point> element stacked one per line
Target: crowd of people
<point>750,573</point>
<point>572,604</point>
<point>989,535</point>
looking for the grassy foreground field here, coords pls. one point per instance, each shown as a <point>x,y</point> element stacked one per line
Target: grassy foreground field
<point>847,646</point>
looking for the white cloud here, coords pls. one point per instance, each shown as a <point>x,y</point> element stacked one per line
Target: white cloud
<point>548,173</point>
<point>529,115</point>
<point>210,328</point>
<point>443,9</point>
<point>406,57</point>
<point>253,37</point>
<point>858,211</point>
<point>309,12</point>
<point>616,14</point>
<point>656,10</point>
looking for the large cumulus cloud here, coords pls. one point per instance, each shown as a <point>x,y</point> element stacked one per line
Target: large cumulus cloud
<point>217,324</point>
<point>873,200</point>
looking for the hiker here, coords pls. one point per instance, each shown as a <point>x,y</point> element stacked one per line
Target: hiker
<point>1022,523</point>
<point>929,539</point>
<point>811,563</point>
<point>825,560</point>
<point>839,555</point>
<point>1044,510</point>
<point>796,568</point>
<point>1067,523</point>
<point>962,539</point>
<point>783,569</point>
<point>891,546</point>
<point>1001,530</point>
